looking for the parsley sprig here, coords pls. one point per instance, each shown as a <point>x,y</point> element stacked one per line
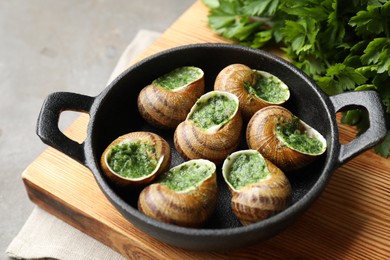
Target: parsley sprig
<point>342,45</point>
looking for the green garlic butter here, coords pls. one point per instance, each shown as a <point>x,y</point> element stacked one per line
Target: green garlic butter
<point>247,168</point>
<point>178,77</point>
<point>185,176</point>
<point>213,111</point>
<point>133,159</point>
<point>268,88</point>
<point>295,137</point>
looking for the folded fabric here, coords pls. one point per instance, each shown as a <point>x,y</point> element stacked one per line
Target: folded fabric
<point>44,235</point>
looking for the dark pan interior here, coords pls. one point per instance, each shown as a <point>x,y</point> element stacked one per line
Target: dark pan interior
<point>117,113</point>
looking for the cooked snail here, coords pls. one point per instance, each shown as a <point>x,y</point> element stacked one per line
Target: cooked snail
<point>255,89</point>
<point>212,128</point>
<point>283,138</point>
<point>186,195</point>
<point>259,188</point>
<point>168,99</point>
<point>136,158</point>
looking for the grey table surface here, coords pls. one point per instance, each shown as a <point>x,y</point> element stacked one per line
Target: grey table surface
<point>48,46</point>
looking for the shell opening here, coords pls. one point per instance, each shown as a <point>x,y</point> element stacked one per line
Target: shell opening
<point>245,167</point>
<point>213,110</point>
<point>133,160</point>
<point>300,137</point>
<point>188,175</point>
<point>269,88</point>
<point>179,78</point>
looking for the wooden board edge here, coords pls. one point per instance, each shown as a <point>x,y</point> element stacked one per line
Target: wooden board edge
<point>119,242</point>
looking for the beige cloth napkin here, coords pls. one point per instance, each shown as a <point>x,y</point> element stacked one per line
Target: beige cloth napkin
<point>44,235</point>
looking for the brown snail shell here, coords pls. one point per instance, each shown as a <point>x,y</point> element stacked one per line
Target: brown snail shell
<point>236,77</point>
<point>162,153</point>
<point>261,135</point>
<point>261,199</point>
<point>188,208</point>
<point>215,143</point>
<point>166,108</point>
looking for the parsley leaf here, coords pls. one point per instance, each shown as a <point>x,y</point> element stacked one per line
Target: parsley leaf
<point>377,54</point>
<point>301,34</point>
<point>225,21</point>
<point>342,45</point>
<point>261,7</point>
<point>340,78</point>
<point>383,148</point>
<point>372,21</point>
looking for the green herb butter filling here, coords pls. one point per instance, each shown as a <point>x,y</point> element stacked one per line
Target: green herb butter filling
<point>268,88</point>
<point>178,78</point>
<point>133,159</point>
<point>295,136</point>
<point>185,176</point>
<point>213,111</point>
<point>247,168</point>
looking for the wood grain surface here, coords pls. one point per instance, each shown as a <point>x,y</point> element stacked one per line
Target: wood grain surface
<point>350,220</point>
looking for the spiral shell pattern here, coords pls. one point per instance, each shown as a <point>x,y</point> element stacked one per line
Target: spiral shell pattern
<point>162,152</point>
<point>234,79</point>
<point>193,142</point>
<point>166,108</point>
<point>262,199</point>
<point>261,136</point>
<point>190,208</point>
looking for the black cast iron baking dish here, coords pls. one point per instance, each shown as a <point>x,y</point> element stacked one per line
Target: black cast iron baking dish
<point>114,112</point>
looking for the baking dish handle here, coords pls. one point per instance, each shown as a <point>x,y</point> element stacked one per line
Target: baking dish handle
<point>370,101</point>
<point>47,125</point>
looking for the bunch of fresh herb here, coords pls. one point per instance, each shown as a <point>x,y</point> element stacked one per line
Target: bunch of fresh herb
<point>342,45</point>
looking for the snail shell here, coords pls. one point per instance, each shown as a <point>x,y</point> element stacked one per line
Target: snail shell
<point>164,107</point>
<point>261,199</point>
<point>262,135</point>
<point>161,152</point>
<point>190,207</point>
<point>240,80</point>
<point>213,143</point>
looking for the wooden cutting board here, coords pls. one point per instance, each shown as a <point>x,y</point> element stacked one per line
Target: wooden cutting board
<point>351,219</point>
